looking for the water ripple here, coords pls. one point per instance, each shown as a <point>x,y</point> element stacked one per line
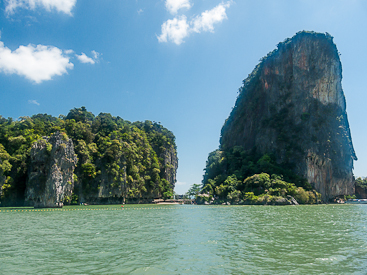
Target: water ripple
<point>322,239</point>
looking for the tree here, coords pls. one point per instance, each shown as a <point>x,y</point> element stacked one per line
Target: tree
<point>80,114</point>
<point>194,190</point>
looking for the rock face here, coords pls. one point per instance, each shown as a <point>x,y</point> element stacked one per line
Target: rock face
<point>2,179</point>
<point>293,106</point>
<point>170,161</point>
<point>50,178</point>
<point>361,192</point>
<point>104,189</point>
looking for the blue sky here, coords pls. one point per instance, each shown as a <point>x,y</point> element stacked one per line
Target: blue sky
<point>178,62</point>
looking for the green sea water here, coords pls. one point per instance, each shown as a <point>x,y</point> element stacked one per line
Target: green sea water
<point>184,239</point>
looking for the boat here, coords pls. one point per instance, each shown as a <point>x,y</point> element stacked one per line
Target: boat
<point>357,201</point>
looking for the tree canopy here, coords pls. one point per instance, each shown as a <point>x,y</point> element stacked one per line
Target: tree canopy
<point>131,157</point>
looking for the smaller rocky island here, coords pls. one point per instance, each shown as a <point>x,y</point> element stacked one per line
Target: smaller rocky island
<point>288,134</point>
<point>48,161</point>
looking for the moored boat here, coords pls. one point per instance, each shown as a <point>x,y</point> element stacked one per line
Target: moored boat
<point>357,201</point>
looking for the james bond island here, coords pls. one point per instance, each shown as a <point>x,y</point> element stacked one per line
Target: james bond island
<point>47,161</point>
<point>288,134</point>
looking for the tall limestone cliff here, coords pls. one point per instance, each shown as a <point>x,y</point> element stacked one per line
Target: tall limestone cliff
<point>50,175</point>
<point>293,106</point>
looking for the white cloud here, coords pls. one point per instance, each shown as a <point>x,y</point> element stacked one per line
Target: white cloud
<point>85,59</point>
<point>207,19</point>
<point>174,5</point>
<point>64,6</point>
<point>140,11</point>
<point>32,101</point>
<point>177,29</point>
<point>36,63</point>
<point>68,51</point>
<point>95,55</point>
<point>174,30</point>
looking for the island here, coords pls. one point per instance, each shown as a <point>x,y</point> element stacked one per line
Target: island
<point>79,158</point>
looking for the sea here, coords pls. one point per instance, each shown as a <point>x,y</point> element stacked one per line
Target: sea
<point>184,239</point>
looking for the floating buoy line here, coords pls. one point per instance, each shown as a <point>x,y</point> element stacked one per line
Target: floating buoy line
<point>105,209</point>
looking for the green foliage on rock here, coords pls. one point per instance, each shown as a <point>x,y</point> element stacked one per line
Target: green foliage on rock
<point>116,158</point>
<point>361,188</point>
<point>361,182</point>
<point>241,176</point>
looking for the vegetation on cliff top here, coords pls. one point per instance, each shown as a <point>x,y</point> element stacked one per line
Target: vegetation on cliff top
<point>129,154</point>
<point>361,188</point>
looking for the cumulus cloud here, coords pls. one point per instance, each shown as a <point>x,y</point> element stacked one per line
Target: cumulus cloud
<point>32,101</point>
<point>64,6</point>
<point>36,63</point>
<point>174,30</point>
<point>207,19</point>
<point>177,29</point>
<point>85,59</point>
<point>95,55</point>
<point>68,51</point>
<point>174,5</point>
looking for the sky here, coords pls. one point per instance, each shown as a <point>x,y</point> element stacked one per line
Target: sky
<point>177,62</point>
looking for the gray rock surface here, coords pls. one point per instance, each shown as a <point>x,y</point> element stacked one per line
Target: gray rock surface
<point>170,165</point>
<point>2,179</point>
<point>50,178</point>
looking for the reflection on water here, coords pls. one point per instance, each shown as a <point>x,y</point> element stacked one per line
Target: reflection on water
<point>150,239</point>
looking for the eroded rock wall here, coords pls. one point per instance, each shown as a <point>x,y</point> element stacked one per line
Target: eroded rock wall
<point>170,161</point>
<point>2,179</point>
<point>128,186</point>
<point>50,177</point>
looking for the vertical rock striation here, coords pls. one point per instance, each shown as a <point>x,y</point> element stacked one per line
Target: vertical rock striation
<point>293,106</point>
<point>170,161</point>
<point>50,177</point>
<point>2,178</point>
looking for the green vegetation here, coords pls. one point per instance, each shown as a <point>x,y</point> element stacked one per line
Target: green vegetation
<point>193,191</point>
<point>129,156</point>
<point>240,176</point>
<point>361,188</point>
<point>361,182</point>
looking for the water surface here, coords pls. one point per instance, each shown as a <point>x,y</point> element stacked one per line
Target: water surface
<point>185,239</point>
